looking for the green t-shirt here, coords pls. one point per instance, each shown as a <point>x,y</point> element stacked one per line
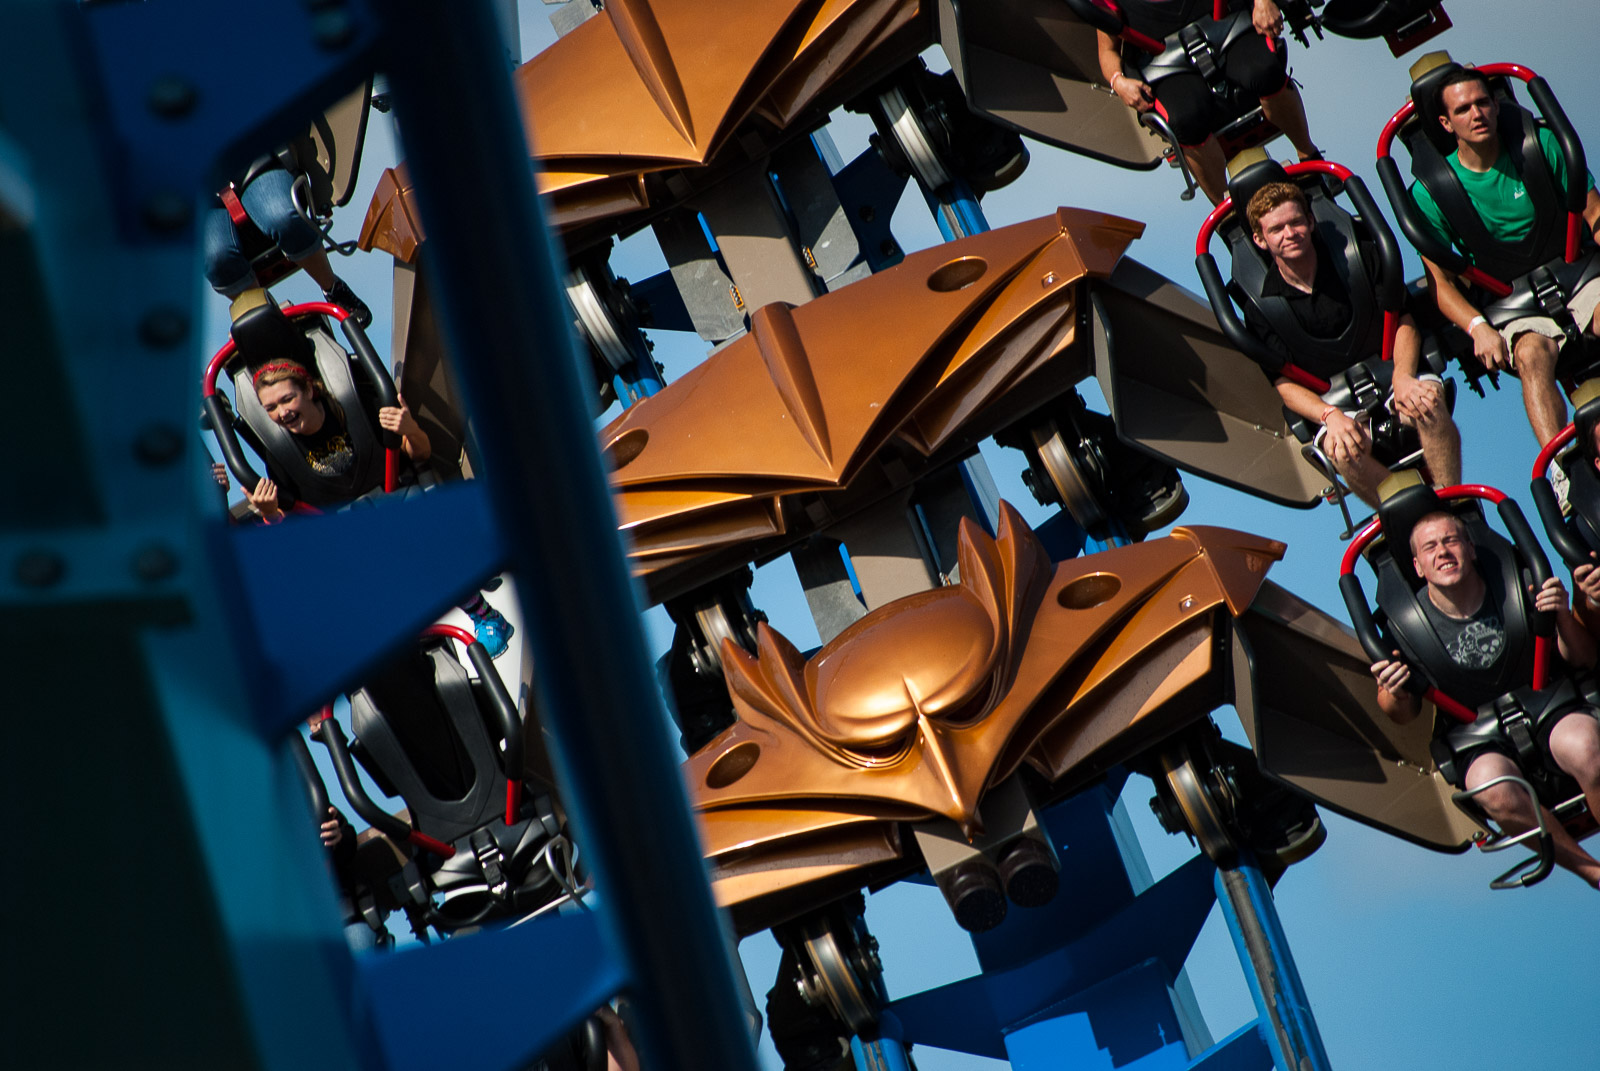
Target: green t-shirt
<point>1498,194</point>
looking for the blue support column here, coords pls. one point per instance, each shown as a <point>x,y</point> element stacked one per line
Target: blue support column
<point>886,1051</point>
<point>635,384</point>
<point>1286,1019</point>
<point>1086,982</point>
<point>475,194</point>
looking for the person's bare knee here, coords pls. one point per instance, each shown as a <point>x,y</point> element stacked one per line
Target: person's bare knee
<point>1507,803</point>
<point>1535,355</point>
<point>1575,746</point>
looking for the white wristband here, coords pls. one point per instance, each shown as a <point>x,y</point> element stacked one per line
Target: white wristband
<point>1114,78</point>
<point>1474,322</point>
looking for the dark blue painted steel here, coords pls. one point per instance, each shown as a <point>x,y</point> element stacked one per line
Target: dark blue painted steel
<point>235,86</point>
<point>476,198</point>
<point>1243,1050</point>
<point>1126,1022</point>
<point>403,562</point>
<point>869,191</point>
<point>1159,925</point>
<point>493,1000</point>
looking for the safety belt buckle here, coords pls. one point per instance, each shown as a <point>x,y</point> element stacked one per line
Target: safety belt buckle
<point>490,860</point>
<point>1199,51</point>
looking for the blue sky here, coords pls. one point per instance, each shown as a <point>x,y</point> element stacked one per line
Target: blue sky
<point>1397,946</point>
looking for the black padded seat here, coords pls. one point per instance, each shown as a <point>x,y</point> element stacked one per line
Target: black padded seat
<point>1340,234</point>
<point>1531,277</point>
<point>422,734</point>
<point>1192,48</point>
<point>1429,144</point>
<point>1400,591</point>
<point>422,731</point>
<point>333,365</point>
<point>1365,383</point>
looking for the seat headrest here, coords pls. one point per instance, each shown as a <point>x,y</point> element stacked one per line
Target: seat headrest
<point>1248,172</point>
<point>1426,74</point>
<point>1404,499</point>
<point>262,333</point>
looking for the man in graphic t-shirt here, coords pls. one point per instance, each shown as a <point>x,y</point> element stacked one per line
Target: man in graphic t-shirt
<point>1463,605</point>
<point>1529,345</point>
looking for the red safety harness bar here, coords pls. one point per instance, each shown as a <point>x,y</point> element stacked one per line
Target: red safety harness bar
<point>513,784</point>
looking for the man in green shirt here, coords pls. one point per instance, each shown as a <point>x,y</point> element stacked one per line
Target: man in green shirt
<point>1526,346</point>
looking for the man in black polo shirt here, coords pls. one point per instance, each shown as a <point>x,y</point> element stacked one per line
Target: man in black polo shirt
<point>1302,274</point>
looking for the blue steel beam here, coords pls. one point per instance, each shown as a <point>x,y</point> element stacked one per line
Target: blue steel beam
<point>492,1001</point>
<point>202,930</point>
<point>1275,985</point>
<point>500,300</point>
<point>971,1015</point>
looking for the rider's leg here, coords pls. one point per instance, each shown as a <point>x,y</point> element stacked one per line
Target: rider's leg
<point>1210,170</point>
<point>269,198</point>
<point>1511,807</point>
<point>1261,66</point>
<point>1363,473</point>
<point>1187,104</point>
<point>227,269</point>
<point>1575,747</point>
<point>1533,357</point>
<point>1286,111</point>
<point>1441,439</point>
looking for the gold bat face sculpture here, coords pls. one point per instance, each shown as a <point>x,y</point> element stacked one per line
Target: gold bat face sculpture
<point>922,706</point>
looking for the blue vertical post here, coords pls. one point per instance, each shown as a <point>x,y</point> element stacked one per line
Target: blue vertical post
<point>636,383</point>
<point>1291,1030</point>
<point>475,192</point>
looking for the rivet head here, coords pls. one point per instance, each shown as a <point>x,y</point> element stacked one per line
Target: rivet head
<point>1049,279</point>
<point>172,97</point>
<point>154,562</point>
<point>163,327</point>
<point>39,569</point>
<point>166,211</point>
<point>333,28</point>
<point>158,444</point>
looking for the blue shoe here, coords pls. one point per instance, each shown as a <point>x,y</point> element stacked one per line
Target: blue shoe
<point>493,631</point>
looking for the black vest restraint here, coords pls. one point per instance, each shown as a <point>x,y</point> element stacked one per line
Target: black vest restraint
<point>1544,242</point>
<point>1362,337</point>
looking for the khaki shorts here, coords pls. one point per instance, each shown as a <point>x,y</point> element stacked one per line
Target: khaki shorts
<point>1581,306</point>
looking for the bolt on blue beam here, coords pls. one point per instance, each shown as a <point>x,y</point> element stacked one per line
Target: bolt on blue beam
<point>1280,997</point>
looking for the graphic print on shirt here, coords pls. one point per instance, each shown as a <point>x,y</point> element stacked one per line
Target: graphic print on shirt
<point>333,456</point>
<point>1479,644</point>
